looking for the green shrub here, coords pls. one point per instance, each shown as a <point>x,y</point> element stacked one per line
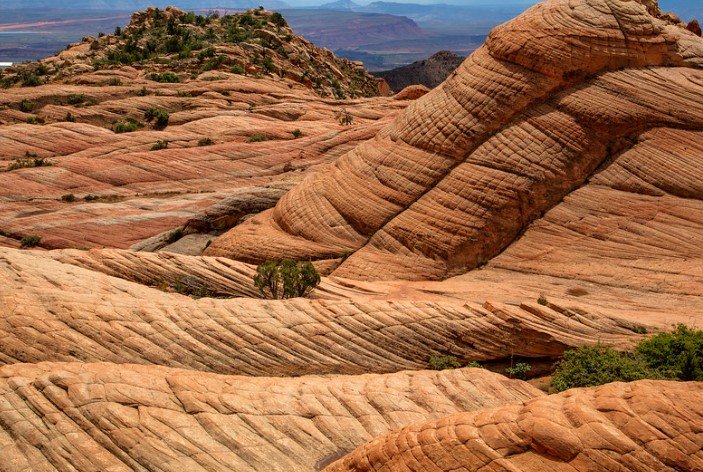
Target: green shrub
<point>518,371</point>
<point>542,300</point>
<point>166,77</point>
<point>69,198</point>
<point>474,364</point>
<point>31,80</point>
<point>278,20</point>
<point>237,69</point>
<point>675,355</point>
<point>286,279</point>
<point>30,241</point>
<point>160,144</point>
<point>442,362</point>
<point>114,82</point>
<point>27,106</point>
<point>297,133</point>
<point>257,138</point>
<point>118,31</point>
<point>158,116</point>
<point>70,118</point>
<point>35,120</point>
<point>29,160</point>
<point>588,366</point>
<point>91,198</point>
<point>206,142</point>
<point>345,118</point>
<point>126,125</point>
<point>76,99</point>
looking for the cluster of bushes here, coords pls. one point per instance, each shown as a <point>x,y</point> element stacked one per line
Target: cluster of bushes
<point>676,355</point>
<point>29,160</point>
<point>166,77</point>
<point>30,241</point>
<point>286,279</point>
<point>159,145</point>
<point>126,125</point>
<point>158,116</point>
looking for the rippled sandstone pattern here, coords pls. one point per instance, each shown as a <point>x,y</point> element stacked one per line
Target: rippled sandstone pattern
<point>71,416</point>
<point>551,100</point>
<point>642,426</point>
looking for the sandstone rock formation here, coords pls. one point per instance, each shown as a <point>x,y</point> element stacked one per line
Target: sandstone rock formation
<point>429,72</point>
<point>552,100</point>
<point>71,416</point>
<point>69,313</point>
<point>642,426</point>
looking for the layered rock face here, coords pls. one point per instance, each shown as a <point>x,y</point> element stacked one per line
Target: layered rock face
<point>552,99</point>
<point>70,416</point>
<point>642,426</point>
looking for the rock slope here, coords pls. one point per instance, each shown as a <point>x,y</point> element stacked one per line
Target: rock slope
<point>552,98</point>
<point>429,72</point>
<point>70,416</point>
<point>642,426</point>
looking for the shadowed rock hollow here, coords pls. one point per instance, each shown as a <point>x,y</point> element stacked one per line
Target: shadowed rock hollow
<point>547,106</point>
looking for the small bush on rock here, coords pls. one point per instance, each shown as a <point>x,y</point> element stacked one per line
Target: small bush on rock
<point>286,279</point>
<point>442,362</point>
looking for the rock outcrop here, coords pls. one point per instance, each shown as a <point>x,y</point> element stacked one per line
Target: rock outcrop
<point>643,426</point>
<point>552,98</point>
<point>429,72</point>
<point>71,416</point>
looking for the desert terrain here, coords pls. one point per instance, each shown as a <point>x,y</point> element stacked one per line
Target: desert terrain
<point>547,196</point>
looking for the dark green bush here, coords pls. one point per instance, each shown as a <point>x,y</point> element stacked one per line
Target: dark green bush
<point>27,106</point>
<point>257,138</point>
<point>542,300</point>
<point>159,145</point>
<point>443,362</point>
<point>35,120</point>
<point>286,279</point>
<point>297,133</point>
<point>675,355</point>
<point>206,142</point>
<point>237,69</point>
<point>30,241</point>
<point>70,118</point>
<point>166,77</point>
<point>29,160</point>
<point>588,366</point>
<point>158,116</point>
<point>278,20</point>
<point>126,125</point>
<point>69,198</point>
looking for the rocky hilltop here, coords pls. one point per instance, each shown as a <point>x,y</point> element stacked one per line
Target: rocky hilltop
<point>429,72</point>
<point>186,45</point>
<point>548,196</point>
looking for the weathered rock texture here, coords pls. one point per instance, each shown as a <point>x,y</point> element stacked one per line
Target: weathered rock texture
<point>56,311</point>
<point>553,98</point>
<point>642,426</point>
<point>70,416</point>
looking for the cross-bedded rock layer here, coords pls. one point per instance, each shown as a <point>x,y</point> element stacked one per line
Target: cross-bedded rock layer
<point>552,98</point>
<point>108,417</point>
<point>644,426</point>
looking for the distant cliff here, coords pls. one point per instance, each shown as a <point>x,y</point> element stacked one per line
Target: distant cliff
<point>429,72</point>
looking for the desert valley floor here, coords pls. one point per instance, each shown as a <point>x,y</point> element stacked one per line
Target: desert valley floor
<point>548,195</point>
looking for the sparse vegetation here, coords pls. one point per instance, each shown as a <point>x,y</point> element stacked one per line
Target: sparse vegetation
<point>257,138</point>
<point>126,125</point>
<point>35,120</point>
<point>345,118</point>
<point>237,69</point>
<point>91,198</point>
<point>30,241</point>
<point>286,279</point>
<point>205,142</point>
<point>542,300</point>
<point>29,160</point>
<point>676,355</point>
<point>27,106</point>
<point>159,145</point>
<point>158,116</point>
<point>68,198</point>
<point>70,118</point>
<point>518,370</point>
<point>166,77</point>
<point>297,133</point>
<point>443,362</point>
<point>114,82</point>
